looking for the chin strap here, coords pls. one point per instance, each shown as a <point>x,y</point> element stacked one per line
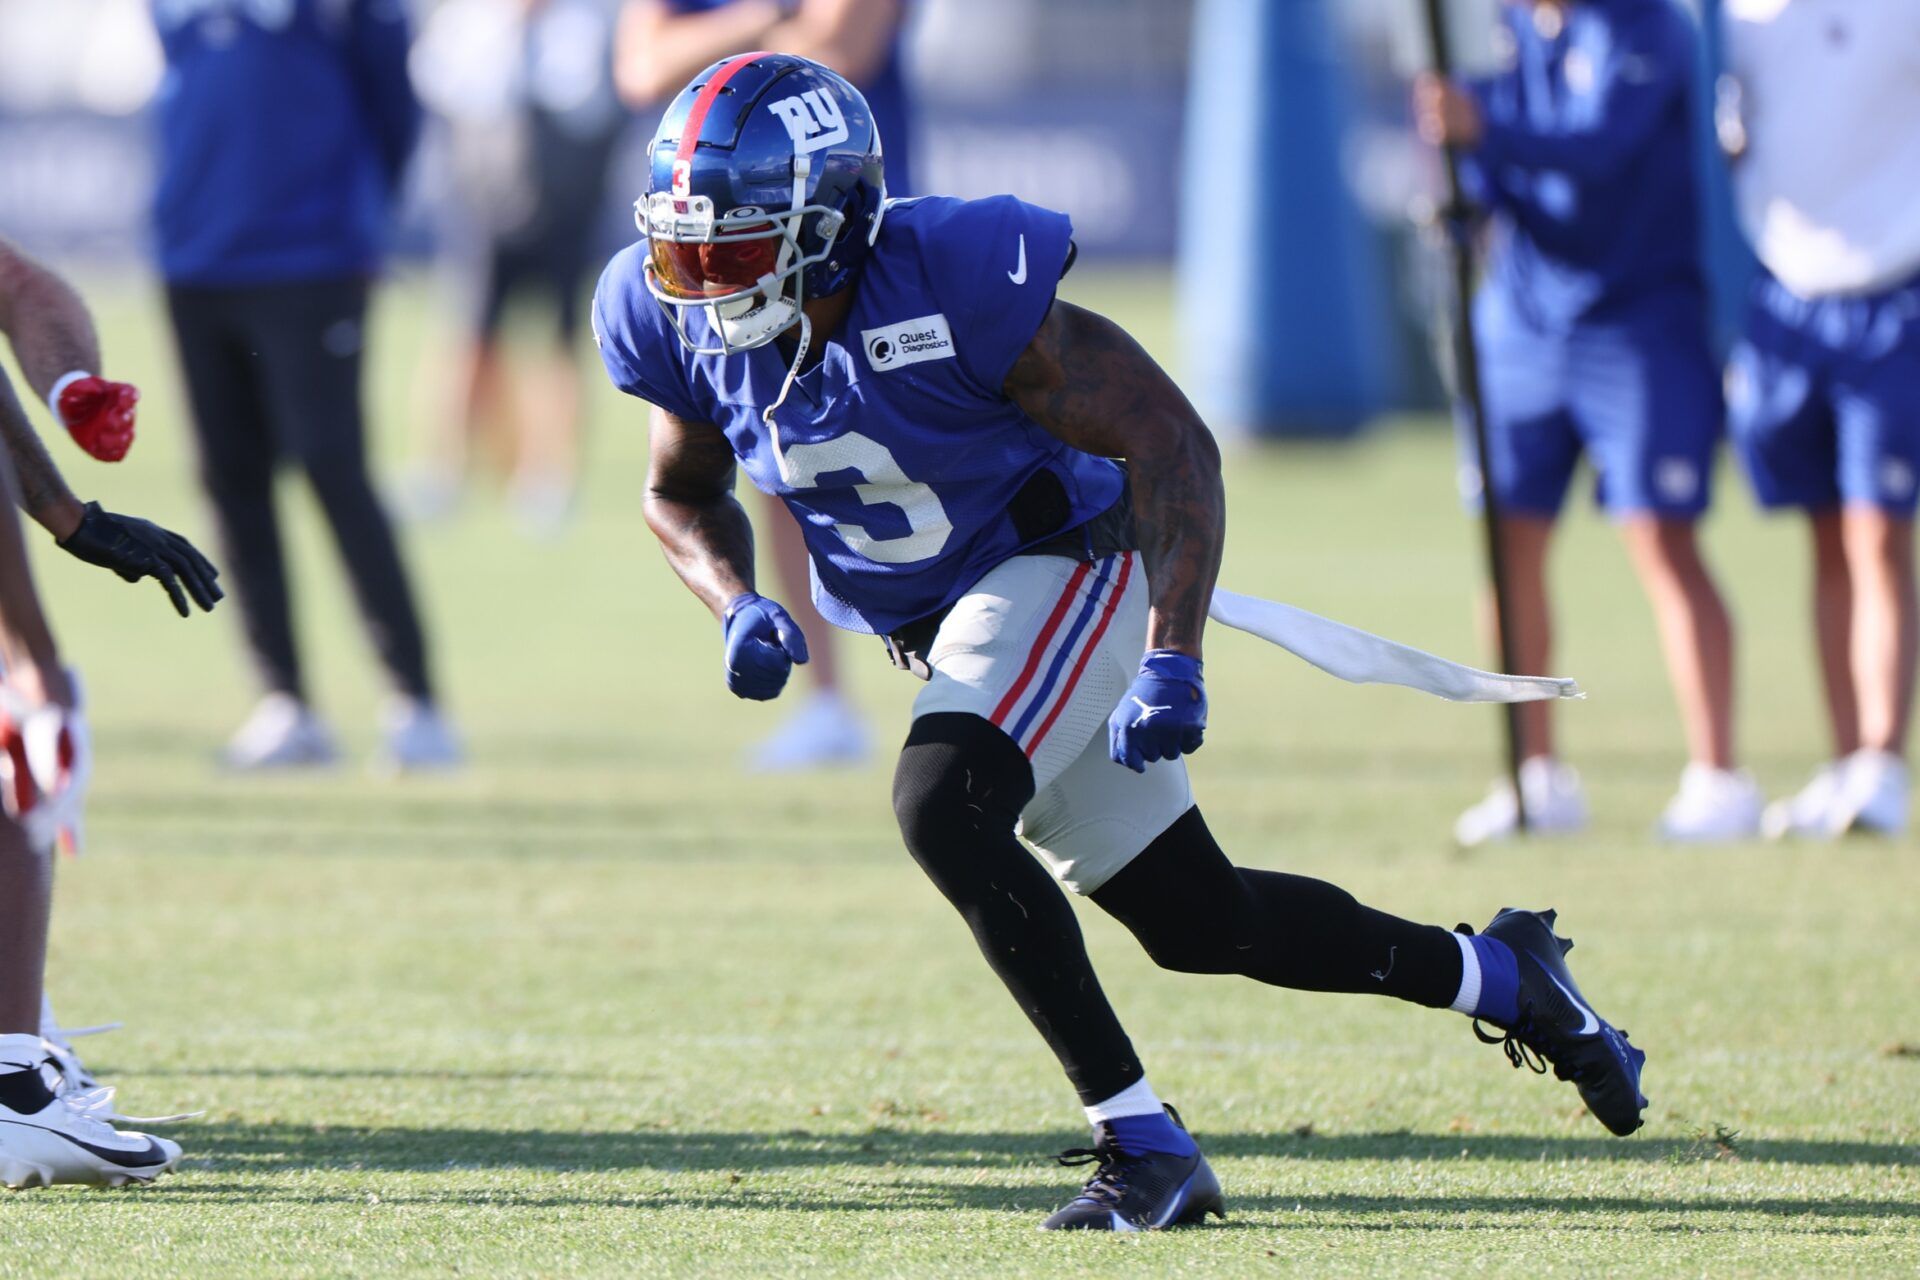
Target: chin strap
<point>802,168</point>
<point>786,386</point>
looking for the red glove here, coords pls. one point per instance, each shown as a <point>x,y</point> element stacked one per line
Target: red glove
<point>98,414</point>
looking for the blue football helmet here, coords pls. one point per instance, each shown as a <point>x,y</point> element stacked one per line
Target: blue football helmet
<point>767,187</point>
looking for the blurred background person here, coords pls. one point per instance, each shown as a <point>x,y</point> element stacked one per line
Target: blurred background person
<point>283,133</point>
<point>661,45</point>
<point>525,88</point>
<point>1593,333</point>
<point>1821,113</point>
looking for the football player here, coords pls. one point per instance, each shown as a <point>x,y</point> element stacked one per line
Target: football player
<point>55,1125</point>
<point>948,436</point>
<point>661,44</point>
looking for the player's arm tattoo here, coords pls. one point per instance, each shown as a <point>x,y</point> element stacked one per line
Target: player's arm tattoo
<point>1089,383</point>
<point>690,507</point>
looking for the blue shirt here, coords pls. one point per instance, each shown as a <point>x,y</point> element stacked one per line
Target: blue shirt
<point>1588,163</point>
<point>284,128</point>
<point>903,453</point>
<point>885,92</point>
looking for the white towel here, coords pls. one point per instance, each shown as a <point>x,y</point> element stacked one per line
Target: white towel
<point>1362,658</point>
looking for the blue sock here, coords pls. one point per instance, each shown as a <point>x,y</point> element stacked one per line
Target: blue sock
<point>1139,1135</point>
<point>1499,1000</point>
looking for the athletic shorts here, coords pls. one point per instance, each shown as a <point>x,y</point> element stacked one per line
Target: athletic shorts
<point>1045,647</point>
<point>1638,398</point>
<point>553,273</point>
<point>1823,398</point>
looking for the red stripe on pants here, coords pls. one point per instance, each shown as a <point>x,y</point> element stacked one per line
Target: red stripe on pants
<point>1106,616</point>
<point>1025,677</point>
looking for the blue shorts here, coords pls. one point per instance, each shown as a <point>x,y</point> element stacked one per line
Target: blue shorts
<point>1823,398</point>
<point>1639,397</point>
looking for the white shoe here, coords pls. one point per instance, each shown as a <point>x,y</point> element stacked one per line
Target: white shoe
<point>543,504</point>
<point>1712,804</point>
<point>1805,812</point>
<point>822,731</point>
<point>65,1073</point>
<point>68,1138</point>
<point>426,493</point>
<point>418,738</point>
<point>1556,804</point>
<point>1872,795</point>
<point>281,734</point>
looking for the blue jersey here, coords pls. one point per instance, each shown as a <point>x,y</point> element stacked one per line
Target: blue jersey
<point>909,469</point>
<point>284,127</point>
<point>885,92</point>
<point>1588,162</point>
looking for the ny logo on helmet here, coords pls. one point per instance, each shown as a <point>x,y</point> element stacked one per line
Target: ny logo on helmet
<point>813,120</point>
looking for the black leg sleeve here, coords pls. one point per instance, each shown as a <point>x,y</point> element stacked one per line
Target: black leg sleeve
<point>1198,913</point>
<point>958,791</point>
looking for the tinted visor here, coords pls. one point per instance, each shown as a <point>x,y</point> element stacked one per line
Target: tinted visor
<point>714,270</point>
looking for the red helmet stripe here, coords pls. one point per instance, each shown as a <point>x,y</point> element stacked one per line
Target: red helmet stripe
<point>703,101</point>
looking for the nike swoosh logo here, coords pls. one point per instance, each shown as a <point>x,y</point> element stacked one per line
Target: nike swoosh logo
<point>1176,1204</point>
<point>1592,1023</point>
<point>1380,975</point>
<point>144,1158</point>
<point>1019,273</point>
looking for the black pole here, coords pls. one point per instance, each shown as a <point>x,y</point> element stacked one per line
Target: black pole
<point>1466,362</point>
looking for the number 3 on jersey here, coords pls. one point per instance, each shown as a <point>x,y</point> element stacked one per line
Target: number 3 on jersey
<point>886,484</point>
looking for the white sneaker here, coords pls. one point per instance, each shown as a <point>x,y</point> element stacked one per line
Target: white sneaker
<point>418,738</point>
<point>281,734</point>
<point>67,1139</point>
<point>822,731</point>
<point>1712,804</point>
<point>542,503</point>
<point>1872,795</point>
<point>1556,804</point>
<point>426,493</point>
<point>65,1072</point>
<point>1806,811</point>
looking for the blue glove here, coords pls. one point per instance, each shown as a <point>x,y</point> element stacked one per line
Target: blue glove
<point>763,643</point>
<point>1164,714</point>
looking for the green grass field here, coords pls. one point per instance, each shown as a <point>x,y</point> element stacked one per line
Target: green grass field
<point>601,1006</point>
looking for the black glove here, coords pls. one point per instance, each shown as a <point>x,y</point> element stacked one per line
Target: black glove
<point>136,549</point>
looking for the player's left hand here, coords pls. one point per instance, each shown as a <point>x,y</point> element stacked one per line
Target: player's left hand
<point>1164,714</point>
<point>763,643</point>
<point>136,549</point>
<point>98,414</point>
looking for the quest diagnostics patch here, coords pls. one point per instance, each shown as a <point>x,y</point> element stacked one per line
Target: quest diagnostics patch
<point>908,342</point>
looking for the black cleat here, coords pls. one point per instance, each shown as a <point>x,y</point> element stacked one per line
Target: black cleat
<point>1138,1193</point>
<point>1558,1026</point>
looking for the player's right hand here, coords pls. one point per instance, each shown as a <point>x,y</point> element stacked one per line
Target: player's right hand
<point>763,643</point>
<point>136,549</point>
<point>98,414</point>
